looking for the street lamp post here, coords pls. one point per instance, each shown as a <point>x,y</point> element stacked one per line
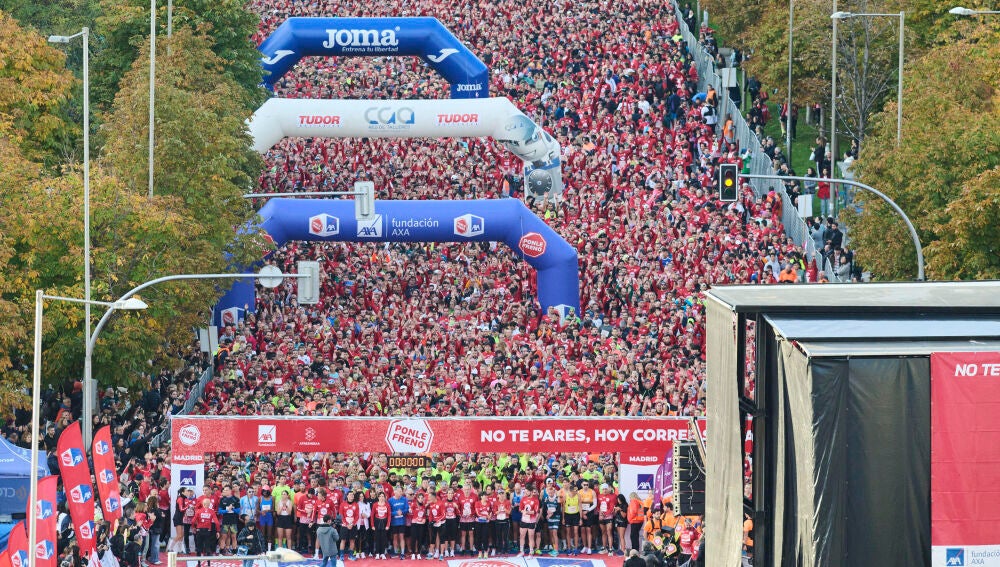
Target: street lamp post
<point>870,189</point>
<point>88,390</point>
<point>960,11</point>
<point>899,89</point>
<point>132,304</point>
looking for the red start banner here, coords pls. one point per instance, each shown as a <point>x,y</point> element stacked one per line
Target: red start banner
<point>194,435</point>
<point>965,458</point>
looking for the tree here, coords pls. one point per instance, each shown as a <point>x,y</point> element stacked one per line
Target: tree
<point>944,174</point>
<point>34,87</point>
<point>124,27</point>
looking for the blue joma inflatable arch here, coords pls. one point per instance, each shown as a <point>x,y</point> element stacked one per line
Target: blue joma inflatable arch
<point>426,38</point>
<point>504,220</point>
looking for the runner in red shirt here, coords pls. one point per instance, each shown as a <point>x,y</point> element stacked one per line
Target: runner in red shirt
<point>483,526</point>
<point>322,510</point>
<point>380,515</point>
<point>349,524</point>
<point>529,506</point>
<point>606,513</point>
<point>305,513</point>
<point>501,517</point>
<point>436,516</point>
<point>450,523</point>
<point>466,519</point>
<point>206,528</point>
<point>418,525</point>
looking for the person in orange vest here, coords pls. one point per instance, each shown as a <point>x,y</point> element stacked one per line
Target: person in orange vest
<point>635,518</point>
<point>788,275</point>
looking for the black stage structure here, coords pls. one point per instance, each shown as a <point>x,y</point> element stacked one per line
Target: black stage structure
<point>840,471</point>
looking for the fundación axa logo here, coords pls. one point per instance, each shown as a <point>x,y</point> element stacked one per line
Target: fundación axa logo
<point>954,556</point>
<point>469,225</point>
<point>324,225</point>
<point>267,434</point>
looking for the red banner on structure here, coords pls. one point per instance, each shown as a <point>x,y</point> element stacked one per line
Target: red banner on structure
<point>17,545</point>
<point>965,456</point>
<point>76,480</point>
<point>45,523</point>
<point>193,435</point>
<point>106,475</point>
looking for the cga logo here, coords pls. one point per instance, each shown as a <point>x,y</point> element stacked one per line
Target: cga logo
<point>387,118</point>
<point>371,228</point>
<point>44,509</point>
<point>189,434</point>
<point>954,556</point>
<point>532,244</point>
<point>469,225</point>
<point>361,38</point>
<point>315,120</point>
<point>106,476</point>
<point>324,225</point>
<point>44,549</point>
<point>81,494</point>
<point>85,530</point>
<point>112,504</point>
<point>102,448</point>
<point>71,457</point>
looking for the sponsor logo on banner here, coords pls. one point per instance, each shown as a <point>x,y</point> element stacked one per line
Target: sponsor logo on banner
<point>112,504</point>
<point>486,563</point>
<point>468,87</point>
<point>85,530</point>
<point>442,55</point>
<point>267,434</point>
<point>409,436</point>
<point>193,459</point>
<point>310,434</point>
<point>457,118</point>
<point>469,225</point>
<point>644,481</point>
<point>106,476</point>
<point>19,558</point>
<point>370,228</point>
<point>189,478</point>
<point>317,120</point>
<point>71,457</point>
<point>363,41</point>
<point>81,494</point>
<point>563,562</point>
<point>189,435</point>
<point>324,225</point>
<point>102,447</point>
<point>532,244</point>
<point>278,56</point>
<point>389,118</point>
<point>44,549</point>
<point>954,556</point>
<point>44,509</point>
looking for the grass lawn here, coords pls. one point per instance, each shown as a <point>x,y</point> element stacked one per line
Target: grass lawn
<point>802,143</point>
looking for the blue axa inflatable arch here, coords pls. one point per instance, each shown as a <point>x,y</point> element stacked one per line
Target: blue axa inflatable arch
<point>504,220</point>
<point>426,38</point>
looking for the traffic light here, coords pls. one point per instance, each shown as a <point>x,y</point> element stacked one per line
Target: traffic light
<point>728,182</point>
<point>308,287</point>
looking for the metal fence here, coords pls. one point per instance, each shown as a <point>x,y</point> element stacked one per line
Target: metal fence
<point>760,163</point>
<point>193,396</point>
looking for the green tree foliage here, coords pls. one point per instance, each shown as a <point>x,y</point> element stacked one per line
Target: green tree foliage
<point>34,88</point>
<point>945,173</point>
<point>204,164</point>
<point>124,27</point>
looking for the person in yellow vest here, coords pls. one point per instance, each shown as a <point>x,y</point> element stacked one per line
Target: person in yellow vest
<point>588,509</point>
<point>571,518</point>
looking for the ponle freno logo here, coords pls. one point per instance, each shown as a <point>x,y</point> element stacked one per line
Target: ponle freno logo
<point>44,509</point>
<point>316,120</point>
<point>102,448</point>
<point>487,563</point>
<point>106,476</point>
<point>324,225</point>
<point>532,244</point>
<point>409,436</point>
<point>469,225</point>
<point>85,530</point>
<point>457,118</point>
<point>71,457</point>
<point>189,434</point>
<point>44,549</point>
<point>19,558</point>
<point>81,494</point>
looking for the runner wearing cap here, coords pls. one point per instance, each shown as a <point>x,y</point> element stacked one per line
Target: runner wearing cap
<point>530,507</point>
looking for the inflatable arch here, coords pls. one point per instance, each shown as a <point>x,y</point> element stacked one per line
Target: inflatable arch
<point>505,220</point>
<point>495,117</point>
<point>426,38</point>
